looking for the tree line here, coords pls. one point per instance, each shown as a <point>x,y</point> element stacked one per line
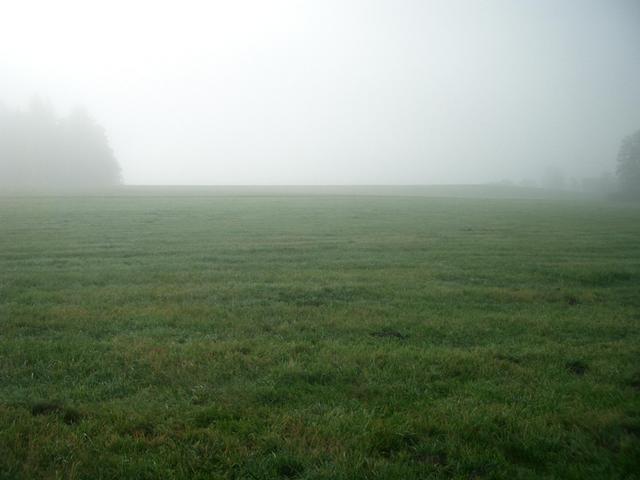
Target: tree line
<point>629,166</point>
<point>40,150</point>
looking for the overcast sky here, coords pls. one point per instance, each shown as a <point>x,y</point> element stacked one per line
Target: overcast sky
<point>336,91</point>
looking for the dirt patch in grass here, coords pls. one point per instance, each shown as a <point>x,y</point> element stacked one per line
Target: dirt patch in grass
<point>68,415</point>
<point>632,428</point>
<point>387,444</point>
<point>289,468</point>
<point>577,367</point>
<point>439,459</point>
<point>508,358</point>
<point>572,300</point>
<point>389,334</point>
<point>634,382</point>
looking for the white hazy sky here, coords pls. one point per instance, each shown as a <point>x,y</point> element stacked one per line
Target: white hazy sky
<point>335,91</point>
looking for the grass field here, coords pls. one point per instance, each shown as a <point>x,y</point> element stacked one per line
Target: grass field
<point>318,337</point>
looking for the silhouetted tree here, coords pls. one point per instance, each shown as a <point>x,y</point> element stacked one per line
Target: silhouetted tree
<point>629,165</point>
<point>39,150</point>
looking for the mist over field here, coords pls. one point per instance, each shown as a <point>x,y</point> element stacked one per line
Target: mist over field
<point>333,92</point>
<point>320,239</point>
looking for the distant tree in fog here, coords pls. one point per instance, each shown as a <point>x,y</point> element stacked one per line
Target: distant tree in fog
<point>629,165</point>
<point>89,151</point>
<point>40,150</point>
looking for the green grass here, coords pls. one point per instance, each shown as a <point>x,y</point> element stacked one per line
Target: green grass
<point>318,337</point>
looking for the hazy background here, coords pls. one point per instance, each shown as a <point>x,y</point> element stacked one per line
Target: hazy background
<point>336,92</point>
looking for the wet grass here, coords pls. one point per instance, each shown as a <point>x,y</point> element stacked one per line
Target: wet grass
<point>323,337</point>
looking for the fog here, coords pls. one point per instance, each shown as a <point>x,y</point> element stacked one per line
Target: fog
<point>336,92</point>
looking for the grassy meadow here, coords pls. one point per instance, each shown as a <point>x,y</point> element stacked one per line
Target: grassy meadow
<point>159,335</point>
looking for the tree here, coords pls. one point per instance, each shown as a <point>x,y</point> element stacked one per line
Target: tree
<point>90,157</point>
<point>629,165</point>
<point>38,150</point>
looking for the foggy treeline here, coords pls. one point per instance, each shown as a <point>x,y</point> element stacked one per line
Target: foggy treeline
<point>629,165</point>
<point>39,149</point>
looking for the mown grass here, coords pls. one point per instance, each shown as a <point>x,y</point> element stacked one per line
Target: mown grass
<point>323,337</point>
